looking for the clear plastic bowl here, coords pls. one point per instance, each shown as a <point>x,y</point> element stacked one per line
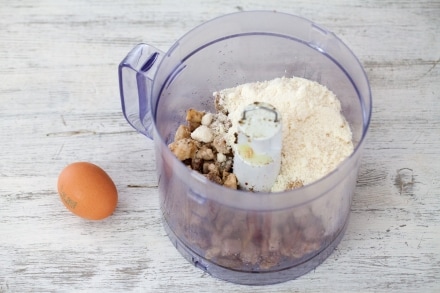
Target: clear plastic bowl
<point>239,236</point>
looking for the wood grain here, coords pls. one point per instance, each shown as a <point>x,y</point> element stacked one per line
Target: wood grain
<point>60,103</point>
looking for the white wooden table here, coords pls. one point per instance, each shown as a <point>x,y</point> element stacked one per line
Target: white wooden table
<point>60,103</point>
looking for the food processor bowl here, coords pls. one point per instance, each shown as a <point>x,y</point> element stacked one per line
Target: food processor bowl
<point>244,237</point>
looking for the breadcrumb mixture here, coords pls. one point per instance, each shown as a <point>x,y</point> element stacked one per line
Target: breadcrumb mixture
<point>316,136</point>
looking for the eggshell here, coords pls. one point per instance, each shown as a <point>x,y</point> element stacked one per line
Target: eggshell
<point>87,191</point>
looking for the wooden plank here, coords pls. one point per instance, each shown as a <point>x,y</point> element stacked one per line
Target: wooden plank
<point>60,103</point>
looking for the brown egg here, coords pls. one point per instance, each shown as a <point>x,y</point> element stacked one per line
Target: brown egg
<point>87,191</point>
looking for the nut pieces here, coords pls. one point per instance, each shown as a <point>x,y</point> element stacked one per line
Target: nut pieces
<point>241,239</point>
<point>202,148</point>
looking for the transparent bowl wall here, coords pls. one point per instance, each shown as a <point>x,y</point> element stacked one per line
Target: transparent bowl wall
<point>238,236</point>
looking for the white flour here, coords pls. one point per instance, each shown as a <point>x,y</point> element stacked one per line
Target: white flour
<point>316,136</point>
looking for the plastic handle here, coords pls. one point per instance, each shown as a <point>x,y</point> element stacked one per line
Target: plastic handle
<point>136,74</point>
